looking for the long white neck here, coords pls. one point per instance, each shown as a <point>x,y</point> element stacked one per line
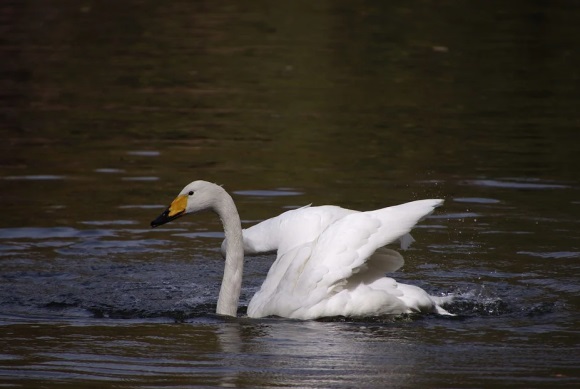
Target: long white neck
<point>232,281</point>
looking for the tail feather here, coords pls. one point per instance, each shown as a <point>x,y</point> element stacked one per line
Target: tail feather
<point>441,300</point>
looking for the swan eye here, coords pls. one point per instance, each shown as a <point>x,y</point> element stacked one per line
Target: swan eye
<point>190,193</point>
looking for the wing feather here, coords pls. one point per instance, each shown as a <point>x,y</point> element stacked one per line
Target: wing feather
<point>308,275</point>
<point>349,243</point>
<point>289,229</point>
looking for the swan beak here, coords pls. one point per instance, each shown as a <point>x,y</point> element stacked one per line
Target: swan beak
<point>175,210</point>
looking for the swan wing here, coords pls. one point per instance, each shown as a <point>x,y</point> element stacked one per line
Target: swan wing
<point>306,281</point>
<point>346,246</point>
<point>290,229</point>
<point>294,228</point>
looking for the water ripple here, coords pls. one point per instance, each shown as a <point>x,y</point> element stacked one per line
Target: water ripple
<point>515,184</point>
<point>38,177</point>
<point>553,254</point>
<point>475,200</point>
<point>51,233</point>
<point>144,153</point>
<point>268,193</point>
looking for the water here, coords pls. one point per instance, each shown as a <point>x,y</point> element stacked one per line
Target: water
<point>109,109</point>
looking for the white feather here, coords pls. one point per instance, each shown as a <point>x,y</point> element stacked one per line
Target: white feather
<point>341,272</point>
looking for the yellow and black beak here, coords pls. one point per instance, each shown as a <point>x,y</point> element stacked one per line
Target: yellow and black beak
<point>175,210</point>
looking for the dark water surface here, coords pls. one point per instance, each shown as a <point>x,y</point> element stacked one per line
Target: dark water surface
<point>107,109</point>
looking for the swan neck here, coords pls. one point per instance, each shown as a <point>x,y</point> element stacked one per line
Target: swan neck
<point>234,263</point>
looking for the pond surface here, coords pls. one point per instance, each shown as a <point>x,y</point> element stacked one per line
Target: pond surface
<point>109,108</point>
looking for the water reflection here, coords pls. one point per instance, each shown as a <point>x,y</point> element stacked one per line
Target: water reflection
<point>477,200</point>
<point>145,153</point>
<point>315,354</point>
<point>39,177</point>
<point>513,184</point>
<point>267,193</point>
<point>109,170</point>
<point>140,178</point>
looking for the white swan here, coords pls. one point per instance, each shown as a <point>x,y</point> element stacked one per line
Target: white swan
<point>330,261</point>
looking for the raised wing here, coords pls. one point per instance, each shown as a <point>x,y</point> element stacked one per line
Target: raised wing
<point>345,247</point>
<point>311,273</point>
<point>290,229</point>
<point>294,228</point>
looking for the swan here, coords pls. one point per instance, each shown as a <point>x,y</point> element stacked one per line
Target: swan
<point>330,261</point>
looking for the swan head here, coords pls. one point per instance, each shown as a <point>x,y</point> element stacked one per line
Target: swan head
<point>196,197</point>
